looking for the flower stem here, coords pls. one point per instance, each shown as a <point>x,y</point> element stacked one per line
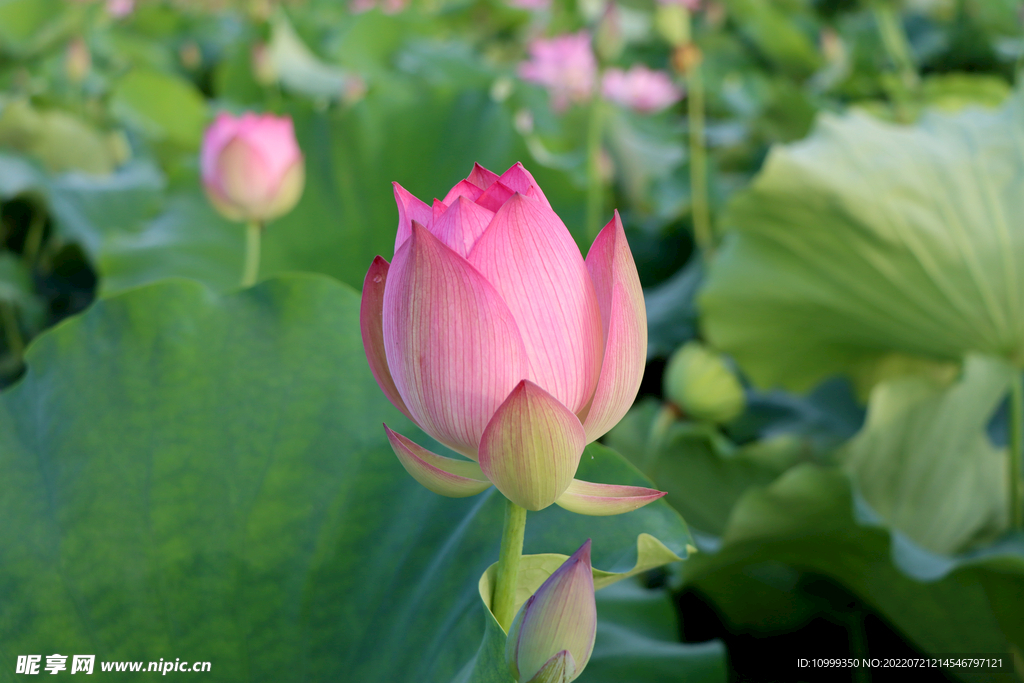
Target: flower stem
<point>503,600</point>
<point>34,238</point>
<point>898,49</point>
<point>1015,447</point>
<point>595,189</point>
<point>12,333</point>
<point>698,160</point>
<point>253,234</point>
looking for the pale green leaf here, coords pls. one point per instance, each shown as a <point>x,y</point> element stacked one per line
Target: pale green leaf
<point>869,239</point>
<point>924,461</point>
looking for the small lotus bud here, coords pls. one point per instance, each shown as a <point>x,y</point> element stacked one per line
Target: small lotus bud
<point>190,55</point>
<point>686,57</point>
<point>252,167</point>
<point>609,41</point>
<point>77,60</point>
<point>523,122</point>
<point>552,636</point>
<point>264,71</point>
<point>699,382</point>
<point>672,22</point>
<point>120,9</point>
<point>501,89</point>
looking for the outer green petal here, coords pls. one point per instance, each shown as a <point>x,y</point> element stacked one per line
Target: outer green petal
<point>531,447</point>
<point>561,668</point>
<point>444,476</point>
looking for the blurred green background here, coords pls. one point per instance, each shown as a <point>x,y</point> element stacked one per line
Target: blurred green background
<point>827,227</point>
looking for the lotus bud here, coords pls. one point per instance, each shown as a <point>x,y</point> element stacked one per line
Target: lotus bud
<point>698,381</point>
<point>491,332</point>
<point>609,40</point>
<point>120,9</point>
<point>252,167</point>
<point>264,71</point>
<point>552,637</point>
<point>672,21</point>
<point>190,55</point>
<point>77,60</point>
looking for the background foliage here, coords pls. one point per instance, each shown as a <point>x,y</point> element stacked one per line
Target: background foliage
<point>196,471</point>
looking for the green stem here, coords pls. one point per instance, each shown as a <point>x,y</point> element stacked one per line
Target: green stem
<point>1015,447</point>
<point>595,189</point>
<point>503,600</point>
<point>698,161</point>
<point>253,233</point>
<point>34,238</point>
<point>9,318</point>
<point>898,49</point>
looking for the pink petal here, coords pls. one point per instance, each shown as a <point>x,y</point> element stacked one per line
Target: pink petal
<point>410,209</point>
<point>437,210</point>
<point>495,196</point>
<point>370,322</point>
<point>463,188</point>
<point>519,179</point>
<point>274,137</point>
<point>531,259</point>
<point>461,225</point>
<point>452,344</point>
<point>444,476</point>
<point>217,135</point>
<point>599,500</point>
<point>531,447</point>
<point>624,317</point>
<point>481,177</point>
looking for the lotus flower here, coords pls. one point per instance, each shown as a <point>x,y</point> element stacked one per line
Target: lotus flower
<point>641,89</point>
<point>252,167</point>
<point>565,65</point>
<point>552,636</point>
<point>491,332</point>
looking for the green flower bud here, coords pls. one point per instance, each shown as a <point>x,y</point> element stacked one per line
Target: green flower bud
<point>699,382</point>
<point>552,636</point>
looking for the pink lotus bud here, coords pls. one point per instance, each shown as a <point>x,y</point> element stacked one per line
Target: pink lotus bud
<point>552,636</point>
<point>641,89</point>
<point>120,8</point>
<point>252,167</point>
<point>565,66</point>
<point>491,332</point>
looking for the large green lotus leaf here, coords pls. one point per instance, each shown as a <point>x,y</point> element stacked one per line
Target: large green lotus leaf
<point>924,462</point>
<point>808,519</point>
<point>204,476</point>
<point>869,239</point>
<point>165,107</point>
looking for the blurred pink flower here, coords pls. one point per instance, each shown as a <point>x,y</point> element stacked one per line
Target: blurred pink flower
<point>565,66</point>
<point>641,89</point>
<point>530,4</point>
<point>692,5</point>
<point>385,6</point>
<point>120,8</point>
<point>251,165</point>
